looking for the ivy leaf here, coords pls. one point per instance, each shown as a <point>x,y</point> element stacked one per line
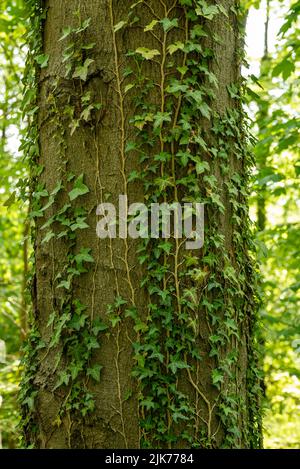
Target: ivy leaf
<point>207,11</point>
<point>79,225</point>
<point>205,110</point>
<point>78,321</point>
<point>129,87</point>
<point>133,176</point>
<point>68,52</point>
<point>198,31</point>
<point>184,157</point>
<point>42,60</point>
<point>175,47</point>
<point>74,125</point>
<point>157,355</point>
<point>160,118</point>
<point>115,320</point>
<point>95,372</point>
<point>178,365</point>
<point>119,26</point>
<point>217,377</point>
<point>75,369</point>
<point>182,70</point>
<point>50,202</point>
<point>89,46</point>
<point>84,25</point>
<point>98,326</point>
<point>169,24</point>
<point>222,10</point>
<point>66,32</point>
<point>148,54</point>
<point>166,246</point>
<point>79,189</point>
<point>92,343</point>
<point>163,156</point>
<point>64,378</point>
<point>150,26</point>
<point>217,201</point>
<point>48,237</point>
<point>57,188</point>
<point>84,256</point>
<point>58,330</point>
<point>65,284</point>
<point>82,70</point>
<point>131,313</point>
<point>130,146</point>
<point>179,416</point>
<point>128,394</point>
<point>86,113</point>
<point>148,403</point>
<point>120,302</point>
<point>177,87</point>
<point>202,166</point>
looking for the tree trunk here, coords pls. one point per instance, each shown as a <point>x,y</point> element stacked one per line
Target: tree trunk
<point>141,342</point>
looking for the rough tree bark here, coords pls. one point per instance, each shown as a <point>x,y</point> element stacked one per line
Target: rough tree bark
<point>97,149</point>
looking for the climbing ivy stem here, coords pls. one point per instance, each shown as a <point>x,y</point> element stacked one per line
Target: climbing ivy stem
<point>122,145</point>
<point>210,408</point>
<point>117,365</point>
<point>177,249</point>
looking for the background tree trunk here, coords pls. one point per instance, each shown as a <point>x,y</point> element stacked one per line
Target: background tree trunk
<point>191,351</point>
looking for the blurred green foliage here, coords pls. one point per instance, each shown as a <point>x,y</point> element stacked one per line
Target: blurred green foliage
<point>276,202</point>
<point>275,205</point>
<point>11,213</point>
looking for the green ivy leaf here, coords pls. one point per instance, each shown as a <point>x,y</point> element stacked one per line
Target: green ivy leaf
<point>92,343</point>
<point>75,369</point>
<point>205,110</point>
<point>82,70</point>
<point>129,87</point>
<point>98,326</point>
<point>48,237</point>
<point>79,188</point>
<point>148,54</point>
<point>64,378</point>
<point>133,176</point>
<point>84,256</point>
<point>217,377</point>
<point>150,26</point>
<point>95,372</point>
<point>148,403</point>
<point>49,204</point>
<point>178,365</point>
<point>172,48</point>
<point>42,60</point>
<point>79,225</point>
<point>202,166</point>
<point>66,32</point>
<point>119,26</point>
<point>160,118</point>
<point>207,11</point>
<point>169,24</point>
<point>120,302</point>
<point>78,321</point>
